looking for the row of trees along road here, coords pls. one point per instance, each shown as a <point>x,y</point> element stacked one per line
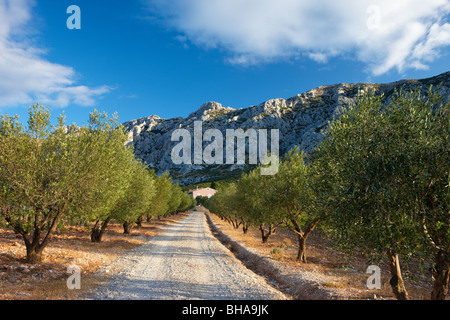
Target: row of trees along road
<point>378,183</point>
<point>56,175</point>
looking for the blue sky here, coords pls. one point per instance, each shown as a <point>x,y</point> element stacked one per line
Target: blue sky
<point>147,57</point>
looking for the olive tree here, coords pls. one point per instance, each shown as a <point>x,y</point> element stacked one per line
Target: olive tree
<point>231,206</point>
<point>46,174</point>
<point>187,202</point>
<point>137,199</point>
<point>254,203</point>
<point>219,204</point>
<point>163,193</point>
<point>383,165</point>
<point>428,186</point>
<point>108,163</point>
<point>291,197</point>
<point>36,179</point>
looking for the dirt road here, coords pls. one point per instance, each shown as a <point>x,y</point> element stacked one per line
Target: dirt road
<point>186,262</point>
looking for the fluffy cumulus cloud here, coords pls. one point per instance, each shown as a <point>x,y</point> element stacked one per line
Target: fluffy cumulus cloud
<point>25,75</point>
<point>383,34</point>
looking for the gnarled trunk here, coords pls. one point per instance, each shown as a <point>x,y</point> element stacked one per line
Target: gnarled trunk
<point>34,253</point>
<point>33,242</point>
<point>301,254</point>
<point>236,223</point>
<point>396,282</point>
<point>139,221</point>
<point>265,234</point>
<point>441,275</point>
<point>302,237</point>
<point>244,227</point>
<point>127,227</point>
<point>97,233</point>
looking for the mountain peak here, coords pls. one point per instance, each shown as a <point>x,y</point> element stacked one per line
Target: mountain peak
<point>208,111</point>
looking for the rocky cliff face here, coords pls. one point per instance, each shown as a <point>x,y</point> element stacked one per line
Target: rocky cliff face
<point>300,121</point>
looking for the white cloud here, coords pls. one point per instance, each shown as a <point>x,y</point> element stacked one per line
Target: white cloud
<point>25,75</point>
<point>318,57</point>
<point>438,36</point>
<point>383,34</point>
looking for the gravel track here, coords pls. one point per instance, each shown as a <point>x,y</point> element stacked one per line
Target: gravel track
<point>186,262</point>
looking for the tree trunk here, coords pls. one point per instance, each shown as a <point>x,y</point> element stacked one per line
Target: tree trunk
<point>396,282</point>
<point>302,237</point>
<point>266,234</point>
<point>34,253</point>
<point>139,221</point>
<point>237,223</point>
<point>97,233</point>
<point>301,254</point>
<point>127,227</point>
<point>441,275</point>
<point>244,227</point>
<point>33,242</point>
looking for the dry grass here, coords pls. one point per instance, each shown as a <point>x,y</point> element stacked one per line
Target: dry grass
<point>329,274</point>
<point>47,280</point>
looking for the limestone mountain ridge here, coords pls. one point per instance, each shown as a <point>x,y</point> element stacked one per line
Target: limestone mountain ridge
<point>300,120</point>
